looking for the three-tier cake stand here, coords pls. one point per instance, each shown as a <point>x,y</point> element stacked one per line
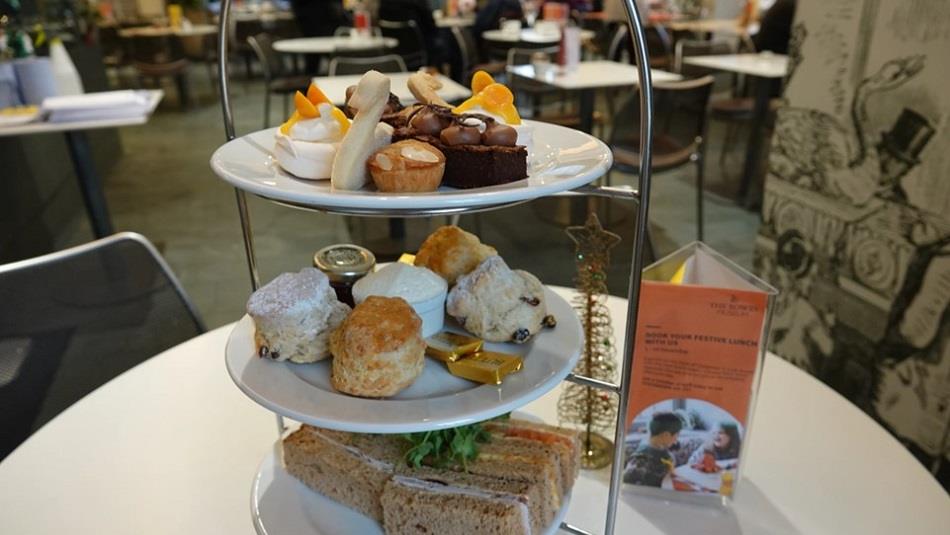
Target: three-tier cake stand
<point>557,177</point>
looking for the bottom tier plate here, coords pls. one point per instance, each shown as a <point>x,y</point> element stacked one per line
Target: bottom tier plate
<point>281,504</point>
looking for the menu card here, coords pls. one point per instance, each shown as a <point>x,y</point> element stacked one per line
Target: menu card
<point>701,335</point>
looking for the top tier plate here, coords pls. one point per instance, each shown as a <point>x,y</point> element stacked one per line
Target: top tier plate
<point>564,159</point>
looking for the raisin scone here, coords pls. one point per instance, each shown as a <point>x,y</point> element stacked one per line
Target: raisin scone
<point>498,304</point>
<point>294,315</point>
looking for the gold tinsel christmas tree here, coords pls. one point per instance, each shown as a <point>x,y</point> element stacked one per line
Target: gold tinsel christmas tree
<point>591,408</point>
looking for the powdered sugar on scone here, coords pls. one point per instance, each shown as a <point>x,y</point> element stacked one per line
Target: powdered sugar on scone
<point>498,304</point>
<point>294,315</point>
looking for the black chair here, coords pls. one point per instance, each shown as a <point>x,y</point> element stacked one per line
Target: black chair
<point>547,104</point>
<point>161,56</point>
<point>659,46</point>
<point>238,33</point>
<point>469,59</point>
<point>679,129</point>
<point>74,319</point>
<point>411,45</point>
<point>277,79</point>
<point>343,65</point>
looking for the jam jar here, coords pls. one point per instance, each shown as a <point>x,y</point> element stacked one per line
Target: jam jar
<point>344,264</point>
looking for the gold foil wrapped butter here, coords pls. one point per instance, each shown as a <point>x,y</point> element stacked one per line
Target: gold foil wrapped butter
<point>407,258</point>
<point>449,347</point>
<point>485,367</point>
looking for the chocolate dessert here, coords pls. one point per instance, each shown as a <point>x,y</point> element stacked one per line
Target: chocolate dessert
<point>393,106</point>
<point>478,150</point>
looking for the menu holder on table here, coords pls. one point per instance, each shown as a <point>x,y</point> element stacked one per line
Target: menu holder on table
<point>701,336</point>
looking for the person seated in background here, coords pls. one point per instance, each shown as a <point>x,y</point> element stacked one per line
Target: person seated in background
<point>489,17</point>
<point>421,12</point>
<point>775,28</point>
<point>652,460</point>
<point>319,18</point>
<point>724,443</point>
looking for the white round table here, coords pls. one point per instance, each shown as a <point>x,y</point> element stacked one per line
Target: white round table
<point>530,36</point>
<point>171,446</point>
<point>327,45</point>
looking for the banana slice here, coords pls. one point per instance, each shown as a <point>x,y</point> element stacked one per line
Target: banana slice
<point>365,135</point>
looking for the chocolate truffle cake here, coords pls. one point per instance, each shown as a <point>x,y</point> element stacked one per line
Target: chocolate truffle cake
<point>478,150</point>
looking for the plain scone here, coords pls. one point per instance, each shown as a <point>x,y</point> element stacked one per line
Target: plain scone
<point>294,315</point>
<point>379,349</point>
<point>451,252</point>
<point>498,304</point>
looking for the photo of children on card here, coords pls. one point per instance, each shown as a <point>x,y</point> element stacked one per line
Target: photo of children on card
<point>686,445</point>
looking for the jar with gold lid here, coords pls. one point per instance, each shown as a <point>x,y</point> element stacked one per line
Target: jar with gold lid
<point>344,264</point>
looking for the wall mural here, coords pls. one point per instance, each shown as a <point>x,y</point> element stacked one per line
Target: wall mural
<point>856,214</point>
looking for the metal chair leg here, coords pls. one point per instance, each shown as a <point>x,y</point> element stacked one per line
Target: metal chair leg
<point>267,110</point>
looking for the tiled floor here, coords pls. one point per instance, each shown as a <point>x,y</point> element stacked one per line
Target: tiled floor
<point>163,188</point>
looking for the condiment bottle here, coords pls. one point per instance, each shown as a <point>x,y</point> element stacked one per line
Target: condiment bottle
<point>344,264</point>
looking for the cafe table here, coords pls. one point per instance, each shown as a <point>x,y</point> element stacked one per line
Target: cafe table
<point>195,30</point>
<point>530,36</point>
<point>767,68</point>
<point>707,26</point>
<point>587,77</point>
<point>328,45</point>
<point>172,446</point>
<point>334,87</point>
<point>90,185</point>
<point>443,21</point>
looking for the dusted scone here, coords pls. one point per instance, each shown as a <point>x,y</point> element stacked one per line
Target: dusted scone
<point>498,304</point>
<point>294,315</point>
<point>379,349</point>
<point>451,252</point>
<point>407,166</point>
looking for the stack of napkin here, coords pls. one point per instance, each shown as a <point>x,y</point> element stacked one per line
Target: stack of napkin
<point>107,105</point>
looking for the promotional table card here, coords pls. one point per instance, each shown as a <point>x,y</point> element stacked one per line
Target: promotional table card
<point>701,336</point>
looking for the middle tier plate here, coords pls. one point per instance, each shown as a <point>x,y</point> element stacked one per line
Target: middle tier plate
<point>436,400</point>
<point>564,159</point>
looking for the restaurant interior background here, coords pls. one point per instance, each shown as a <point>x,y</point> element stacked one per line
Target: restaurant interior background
<point>846,213</point>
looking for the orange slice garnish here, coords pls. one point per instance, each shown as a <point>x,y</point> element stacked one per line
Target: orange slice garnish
<point>341,118</point>
<point>285,128</point>
<point>480,81</point>
<point>494,98</point>
<point>315,95</point>
<point>304,107</point>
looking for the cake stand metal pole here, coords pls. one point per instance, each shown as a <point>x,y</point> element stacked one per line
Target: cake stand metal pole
<point>636,268</point>
<point>224,24</point>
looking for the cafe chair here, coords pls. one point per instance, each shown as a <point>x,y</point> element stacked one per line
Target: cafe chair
<point>659,46</point>
<point>734,109</point>
<point>547,104</point>
<point>468,57</point>
<point>74,319</point>
<point>157,57</point>
<point>411,41</point>
<point>238,33</point>
<point>343,65</point>
<point>679,130</point>
<point>277,79</point>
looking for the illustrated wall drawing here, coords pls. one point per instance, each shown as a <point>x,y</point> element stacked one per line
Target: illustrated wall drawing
<point>856,213</point>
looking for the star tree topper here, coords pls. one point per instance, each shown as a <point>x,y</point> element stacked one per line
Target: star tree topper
<point>591,239</point>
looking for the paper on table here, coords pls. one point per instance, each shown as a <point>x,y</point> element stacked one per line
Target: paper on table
<point>97,106</point>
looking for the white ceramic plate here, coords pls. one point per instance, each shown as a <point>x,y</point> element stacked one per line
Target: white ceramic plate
<point>436,400</point>
<point>281,504</point>
<point>564,159</point>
